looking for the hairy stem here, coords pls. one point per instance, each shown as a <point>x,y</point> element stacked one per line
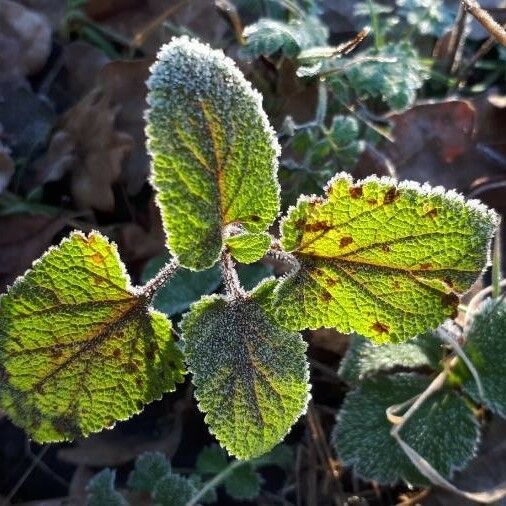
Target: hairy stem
<point>230,278</point>
<point>497,263</point>
<point>214,482</point>
<point>153,285</point>
<point>486,20</point>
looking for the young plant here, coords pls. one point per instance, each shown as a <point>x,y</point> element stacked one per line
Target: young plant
<point>80,348</point>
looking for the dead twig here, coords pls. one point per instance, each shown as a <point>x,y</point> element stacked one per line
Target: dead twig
<point>486,20</point>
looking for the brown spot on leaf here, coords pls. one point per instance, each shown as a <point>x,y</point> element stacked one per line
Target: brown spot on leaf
<point>331,282</point>
<point>116,353</point>
<point>448,281</point>
<point>55,352</point>
<point>317,227</point>
<point>151,349</point>
<point>345,241</point>
<point>65,424</point>
<point>431,214</point>
<point>372,202</point>
<point>97,259</point>
<point>426,266</point>
<point>381,328</point>
<point>451,300</point>
<point>397,285</point>
<point>326,296</point>
<point>131,368</point>
<point>386,248</point>
<point>255,218</point>
<point>300,224</point>
<point>356,192</point>
<point>391,195</point>
<point>318,271</point>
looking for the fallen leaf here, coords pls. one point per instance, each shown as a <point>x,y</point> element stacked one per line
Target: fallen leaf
<point>25,39</point>
<point>24,238</point>
<point>88,144</point>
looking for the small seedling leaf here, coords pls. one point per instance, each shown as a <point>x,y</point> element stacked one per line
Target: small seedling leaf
<point>243,483</point>
<point>251,375</point>
<point>79,349</point>
<point>149,469</point>
<point>443,430</point>
<point>101,490</point>
<point>211,460</point>
<point>214,152</point>
<point>382,259</point>
<point>173,490</point>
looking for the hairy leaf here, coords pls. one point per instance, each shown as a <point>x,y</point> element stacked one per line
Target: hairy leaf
<point>243,483</point>
<point>149,469</point>
<point>210,496</point>
<point>383,259</point>
<point>364,359</point>
<point>173,490</point>
<point>185,287</point>
<point>268,36</point>
<point>486,347</point>
<point>427,16</point>
<point>248,248</point>
<point>214,152</point>
<point>101,490</point>
<point>250,375</point>
<point>79,349</point>
<point>443,431</point>
<point>211,460</point>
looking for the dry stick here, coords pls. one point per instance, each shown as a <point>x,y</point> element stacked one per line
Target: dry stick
<point>418,461</point>
<point>456,40</point>
<point>486,20</point>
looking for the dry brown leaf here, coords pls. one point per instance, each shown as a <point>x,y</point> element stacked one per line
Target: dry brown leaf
<point>25,39</point>
<point>23,239</point>
<point>88,145</point>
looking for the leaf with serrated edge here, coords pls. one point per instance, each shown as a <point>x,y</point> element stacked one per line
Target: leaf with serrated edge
<point>173,490</point>
<point>101,490</point>
<point>443,430</point>
<point>383,259</point>
<point>363,359</point>
<point>251,375</point>
<point>149,468</point>
<point>243,483</point>
<point>214,152</point>
<point>486,348</point>
<point>79,349</point>
<point>248,248</point>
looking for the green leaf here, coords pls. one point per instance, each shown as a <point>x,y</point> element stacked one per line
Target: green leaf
<point>251,376</point>
<point>243,483</point>
<point>268,36</point>
<point>429,17</point>
<point>210,496</point>
<point>395,75</point>
<point>385,260</point>
<point>443,431</point>
<point>149,469</point>
<point>346,147</point>
<point>79,348</point>
<point>486,348</point>
<point>248,248</point>
<point>211,460</point>
<point>101,491</point>
<point>185,286</point>
<point>282,456</point>
<point>173,490</point>
<point>363,359</point>
<point>214,152</point>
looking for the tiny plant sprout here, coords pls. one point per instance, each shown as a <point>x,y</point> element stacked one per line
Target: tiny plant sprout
<point>80,348</point>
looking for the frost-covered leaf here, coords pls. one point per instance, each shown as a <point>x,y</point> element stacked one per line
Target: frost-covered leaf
<point>173,490</point>
<point>149,469</point>
<point>486,347</point>
<point>385,260</point>
<point>364,359</point>
<point>214,152</point>
<point>101,491</point>
<point>243,483</point>
<point>395,77</point>
<point>251,376</point>
<point>443,431</point>
<point>79,349</point>
<point>184,288</point>
<point>211,460</point>
<point>248,248</point>
<point>210,496</point>
<point>432,17</point>
<point>268,36</point>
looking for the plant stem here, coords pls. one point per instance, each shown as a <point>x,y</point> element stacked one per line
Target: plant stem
<point>230,278</point>
<point>378,39</point>
<point>214,482</point>
<point>486,20</point>
<point>496,264</point>
<point>164,274</point>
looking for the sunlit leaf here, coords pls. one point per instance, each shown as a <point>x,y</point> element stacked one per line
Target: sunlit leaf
<point>79,349</point>
<point>382,259</point>
<point>248,248</point>
<point>486,347</point>
<point>443,430</point>
<point>250,375</point>
<point>214,152</point>
<point>363,359</point>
